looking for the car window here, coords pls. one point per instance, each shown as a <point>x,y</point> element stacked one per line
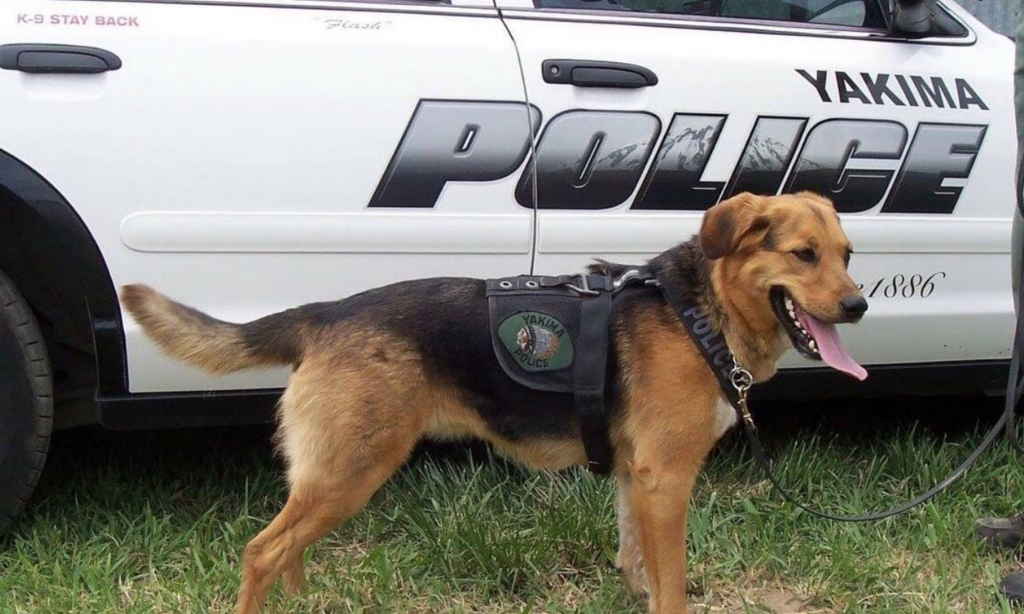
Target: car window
<point>851,13</point>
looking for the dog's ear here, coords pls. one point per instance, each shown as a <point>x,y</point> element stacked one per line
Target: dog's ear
<point>727,223</point>
<point>818,198</point>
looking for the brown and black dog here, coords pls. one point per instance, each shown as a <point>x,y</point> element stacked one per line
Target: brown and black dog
<point>379,371</point>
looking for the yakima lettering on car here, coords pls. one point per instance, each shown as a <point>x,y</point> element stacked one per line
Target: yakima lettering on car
<point>898,90</point>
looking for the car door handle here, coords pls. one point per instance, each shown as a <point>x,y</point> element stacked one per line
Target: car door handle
<point>57,59</point>
<point>587,73</point>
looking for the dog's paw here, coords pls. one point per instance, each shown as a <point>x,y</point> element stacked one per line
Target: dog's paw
<point>636,577</point>
<point>637,580</point>
<point>630,561</point>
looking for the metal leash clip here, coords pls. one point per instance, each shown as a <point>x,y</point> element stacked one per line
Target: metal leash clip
<point>742,380</point>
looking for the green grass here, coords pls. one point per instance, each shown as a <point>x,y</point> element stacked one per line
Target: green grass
<point>156,522</point>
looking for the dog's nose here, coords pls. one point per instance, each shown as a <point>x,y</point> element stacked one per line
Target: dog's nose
<point>853,307</point>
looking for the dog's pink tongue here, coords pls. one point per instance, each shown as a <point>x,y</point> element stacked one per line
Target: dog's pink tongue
<point>830,346</point>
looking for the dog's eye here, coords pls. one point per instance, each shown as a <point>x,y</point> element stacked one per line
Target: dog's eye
<point>807,255</point>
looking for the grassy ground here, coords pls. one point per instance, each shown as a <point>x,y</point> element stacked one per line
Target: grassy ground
<point>156,522</point>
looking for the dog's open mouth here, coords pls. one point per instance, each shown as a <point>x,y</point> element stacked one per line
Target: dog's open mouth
<point>811,337</point>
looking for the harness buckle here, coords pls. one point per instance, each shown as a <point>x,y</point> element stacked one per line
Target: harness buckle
<point>624,279</point>
<point>585,289</point>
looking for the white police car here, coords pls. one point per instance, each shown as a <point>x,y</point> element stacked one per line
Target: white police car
<point>245,156</point>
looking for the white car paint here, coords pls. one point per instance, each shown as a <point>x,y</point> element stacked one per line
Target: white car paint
<point>231,160</point>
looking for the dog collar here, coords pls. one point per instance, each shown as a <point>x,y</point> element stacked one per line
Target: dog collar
<point>733,379</point>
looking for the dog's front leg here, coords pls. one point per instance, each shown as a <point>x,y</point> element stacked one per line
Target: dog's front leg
<point>629,558</point>
<point>660,496</point>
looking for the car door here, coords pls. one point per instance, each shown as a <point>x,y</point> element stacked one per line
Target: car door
<point>658,110</point>
<point>251,156</point>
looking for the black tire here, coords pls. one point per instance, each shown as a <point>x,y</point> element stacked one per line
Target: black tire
<point>26,403</point>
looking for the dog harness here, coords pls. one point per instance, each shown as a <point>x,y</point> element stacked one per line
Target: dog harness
<point>552,334</point>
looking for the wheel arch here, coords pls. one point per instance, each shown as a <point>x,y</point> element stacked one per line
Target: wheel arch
<point>50,254</point>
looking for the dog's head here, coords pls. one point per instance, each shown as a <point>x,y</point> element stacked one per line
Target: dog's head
<point>783,262</point>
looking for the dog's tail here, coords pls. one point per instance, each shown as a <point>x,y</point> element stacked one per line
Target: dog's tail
<point>214,345</point>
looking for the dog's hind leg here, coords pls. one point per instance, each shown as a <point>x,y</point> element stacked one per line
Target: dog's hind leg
<point>293,578</point>
<point>308,515</point>
<point>345,428</point>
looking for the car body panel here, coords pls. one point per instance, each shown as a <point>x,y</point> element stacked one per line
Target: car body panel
<point>251,156</point>
<point>230,161</point>
<point>934,265</point>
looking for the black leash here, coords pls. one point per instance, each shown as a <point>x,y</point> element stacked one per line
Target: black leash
<point>736,382</point>
<point>1014,383</point>
<point>949,480</point>
<point>1013,389</point>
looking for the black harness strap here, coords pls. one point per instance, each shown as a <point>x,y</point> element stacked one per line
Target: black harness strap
<point>709,340</point>
<point>735,381</point>
<point>589,377</point>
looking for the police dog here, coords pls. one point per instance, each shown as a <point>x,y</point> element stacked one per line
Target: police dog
<point>379,371</point>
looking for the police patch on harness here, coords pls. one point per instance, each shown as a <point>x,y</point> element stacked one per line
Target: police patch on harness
<point>537,341</point>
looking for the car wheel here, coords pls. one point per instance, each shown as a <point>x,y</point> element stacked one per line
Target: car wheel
<point>26,402</point>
